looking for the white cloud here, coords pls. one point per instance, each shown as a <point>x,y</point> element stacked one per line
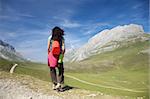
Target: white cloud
<point>4,17</point>
<point>13,15</point>
<point>65,20</point>
<point>11,34</point>
<point>137,6</point>
<point>35,49</point>
<point>69,24</point>
<point>24,34</point>
<point>10,17</point>
<point>74,43</point>
<point>34,54</point>
<point>25,15</point>
<point>89,32</point>
<point>7,35</point>
<point>121,16</point>
<point>91,28</point>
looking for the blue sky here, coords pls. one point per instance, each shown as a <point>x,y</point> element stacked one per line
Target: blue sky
<point>26,24</point>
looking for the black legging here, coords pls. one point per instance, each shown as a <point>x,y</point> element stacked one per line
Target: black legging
<point>57,78</point>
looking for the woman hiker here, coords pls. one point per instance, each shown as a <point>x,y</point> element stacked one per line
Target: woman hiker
<point>56,50</point>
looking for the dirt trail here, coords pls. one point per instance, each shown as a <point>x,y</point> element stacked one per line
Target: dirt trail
<point>102,86</point>
<point>16,86</point>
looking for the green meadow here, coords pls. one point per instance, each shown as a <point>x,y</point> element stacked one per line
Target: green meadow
<point>123,71</point>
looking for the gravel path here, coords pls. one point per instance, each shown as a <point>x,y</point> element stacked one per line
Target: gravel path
<point>10,89</point>
<point>16,86</point>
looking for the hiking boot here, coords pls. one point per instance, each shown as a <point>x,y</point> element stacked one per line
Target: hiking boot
<point>54,87</point>
<point>58,86</point>
<point>60,90</point>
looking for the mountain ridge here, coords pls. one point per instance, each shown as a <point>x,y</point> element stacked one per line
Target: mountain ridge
<point>9,52</point>
<point>108,40</point>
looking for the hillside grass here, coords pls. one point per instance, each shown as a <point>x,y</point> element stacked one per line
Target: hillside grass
<point>125,67</point>
<point>37,70</point>
<point>128,57</point>
<point>5,65</point>
<point>117,79</point>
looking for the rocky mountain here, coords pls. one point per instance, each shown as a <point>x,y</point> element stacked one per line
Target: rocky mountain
<point>8,52</point>
<point>108,40</point>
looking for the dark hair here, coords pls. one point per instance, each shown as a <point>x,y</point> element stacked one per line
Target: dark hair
<point>57,33</point>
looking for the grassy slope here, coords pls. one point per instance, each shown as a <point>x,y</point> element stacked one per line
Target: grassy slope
<point>37,70</point>
<point>127,57</point>
<point>124,67</point>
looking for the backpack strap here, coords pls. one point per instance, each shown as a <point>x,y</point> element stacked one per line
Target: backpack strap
<point>61,42</point>
<point>51,41</point>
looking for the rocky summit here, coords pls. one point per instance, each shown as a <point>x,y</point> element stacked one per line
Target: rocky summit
<point>8,52</point>
<point>108,40</point>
